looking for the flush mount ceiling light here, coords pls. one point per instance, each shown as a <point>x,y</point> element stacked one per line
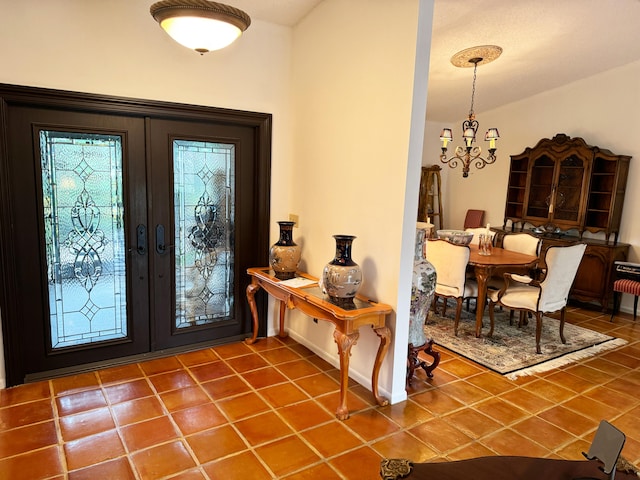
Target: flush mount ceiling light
<point>471,57</point>
<point>200,25</point>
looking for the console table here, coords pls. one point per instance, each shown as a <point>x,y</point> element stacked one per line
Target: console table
<point>303,293</point>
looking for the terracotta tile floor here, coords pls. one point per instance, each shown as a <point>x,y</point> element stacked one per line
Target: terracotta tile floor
<point>266,411</point>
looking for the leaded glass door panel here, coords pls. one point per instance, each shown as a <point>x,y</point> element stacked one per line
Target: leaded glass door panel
<point>84,237</point>
<point>203,183</point>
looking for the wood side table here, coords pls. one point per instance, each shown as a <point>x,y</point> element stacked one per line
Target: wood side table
<point>303,293</point>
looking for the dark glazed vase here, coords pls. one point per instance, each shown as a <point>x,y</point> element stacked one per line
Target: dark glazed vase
<point>284,255</point>
<point>342,277</point>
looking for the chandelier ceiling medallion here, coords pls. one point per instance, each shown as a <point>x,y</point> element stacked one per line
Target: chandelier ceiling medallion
<point>471,57</point>
<point>200,25</point>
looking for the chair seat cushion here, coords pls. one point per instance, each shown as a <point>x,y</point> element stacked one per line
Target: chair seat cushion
<point>470,290</point>
<point>521,296</point>
<point>625,285</point>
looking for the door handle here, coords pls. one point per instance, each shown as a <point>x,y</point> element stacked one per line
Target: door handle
<point>141,239</point>
<point>161,247</point>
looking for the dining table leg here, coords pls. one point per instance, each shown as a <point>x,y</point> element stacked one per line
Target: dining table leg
<point>482,275</point>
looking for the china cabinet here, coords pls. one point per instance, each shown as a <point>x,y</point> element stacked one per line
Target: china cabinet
<point>564,184</point>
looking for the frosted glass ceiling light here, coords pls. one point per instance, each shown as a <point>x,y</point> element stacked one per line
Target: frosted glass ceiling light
<point>200,25</point>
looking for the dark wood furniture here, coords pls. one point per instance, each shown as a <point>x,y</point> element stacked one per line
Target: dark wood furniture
<point>414,361</point>
<point>563,187</point>
<point>564,184</point>
<point>593,285</point>
<point>484,267</point>
<point>502,468</point>
<point>347,318</point>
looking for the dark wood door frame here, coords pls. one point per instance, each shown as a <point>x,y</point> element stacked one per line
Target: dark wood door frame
<point>13,95</point>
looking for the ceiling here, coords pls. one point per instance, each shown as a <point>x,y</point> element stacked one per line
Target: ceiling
<point>546,44</point>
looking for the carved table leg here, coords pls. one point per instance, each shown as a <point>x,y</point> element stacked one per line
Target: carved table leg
<point>344,342</point>
<point>482,275</point>
<point>385,334</point>
<point>413,362</point>
<point>252,288</point>
<point>283,308</point>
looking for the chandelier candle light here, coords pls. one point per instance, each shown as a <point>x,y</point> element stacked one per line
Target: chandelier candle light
<point>471,57</point>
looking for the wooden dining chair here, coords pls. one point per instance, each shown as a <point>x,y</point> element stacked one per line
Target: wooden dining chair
<point>523,293</point>
<point>450,262</point>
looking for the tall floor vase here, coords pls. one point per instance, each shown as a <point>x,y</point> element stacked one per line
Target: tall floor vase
<point>423,287</point>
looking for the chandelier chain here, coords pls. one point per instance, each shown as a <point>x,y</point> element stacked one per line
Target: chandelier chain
<point>473,90</point>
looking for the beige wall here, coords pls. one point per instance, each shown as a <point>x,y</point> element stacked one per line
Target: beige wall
<point>353,100</point>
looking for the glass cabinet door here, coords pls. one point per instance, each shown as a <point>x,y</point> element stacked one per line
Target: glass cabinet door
<point>568,195</point>
<point>540,188</point>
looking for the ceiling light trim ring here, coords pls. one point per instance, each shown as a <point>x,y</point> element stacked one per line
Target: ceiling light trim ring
<point>200,8</point>
<point>469,56</point>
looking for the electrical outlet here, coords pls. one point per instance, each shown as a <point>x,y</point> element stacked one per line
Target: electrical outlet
<point>294,218</point>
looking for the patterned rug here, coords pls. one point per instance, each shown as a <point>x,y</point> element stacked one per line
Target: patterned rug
<point>512,349</point>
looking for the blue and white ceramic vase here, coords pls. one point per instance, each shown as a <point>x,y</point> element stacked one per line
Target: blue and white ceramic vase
<point>342,277</point>
<point>284,255</point>
<point>423,288</point>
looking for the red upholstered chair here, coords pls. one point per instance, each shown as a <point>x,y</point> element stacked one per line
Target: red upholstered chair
<point>473,219</point>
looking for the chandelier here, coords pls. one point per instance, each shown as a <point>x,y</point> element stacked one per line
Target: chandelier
<point>471,57</point>
<point>199,24</point>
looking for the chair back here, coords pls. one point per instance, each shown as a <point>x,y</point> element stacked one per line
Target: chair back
<point>479,231</point>
<point>562,266</point>
<point>450,262</point>
<point>522,243</point>
<point>473,219</point>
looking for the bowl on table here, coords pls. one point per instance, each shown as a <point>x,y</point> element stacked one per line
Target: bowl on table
<point>457,237</point>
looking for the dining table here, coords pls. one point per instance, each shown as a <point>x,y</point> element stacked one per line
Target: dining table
<point>484,266</point>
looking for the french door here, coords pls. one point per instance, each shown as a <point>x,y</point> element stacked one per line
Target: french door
<point>126,233</point>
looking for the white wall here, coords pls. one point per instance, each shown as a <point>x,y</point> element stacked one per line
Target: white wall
<point>601,109</point>
<point>353,96</point>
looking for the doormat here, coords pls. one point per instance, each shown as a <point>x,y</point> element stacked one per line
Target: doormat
<point>511,351</point>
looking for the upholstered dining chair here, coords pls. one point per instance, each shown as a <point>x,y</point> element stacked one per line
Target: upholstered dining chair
<point>523,293</point>
<point>521,243</point>
<point>450,262</point>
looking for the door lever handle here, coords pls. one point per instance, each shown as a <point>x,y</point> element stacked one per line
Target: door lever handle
<point>141,239</point>
<point>161,247</point>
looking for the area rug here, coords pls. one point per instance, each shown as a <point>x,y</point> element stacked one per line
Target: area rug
<point>511,351</point>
